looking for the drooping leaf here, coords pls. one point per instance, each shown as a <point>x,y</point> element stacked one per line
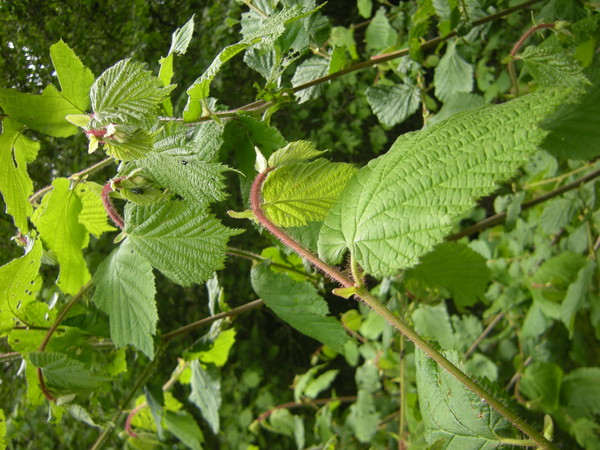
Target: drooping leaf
<point>125,291</point>
<point>294,152</point>
<point>75,79</point>
<point>541,384</point>
<point>16,151</point>
<point>179,238</point>
<point>311,69</point>
<point>185,428</point>
<point>576,295</point>
<point>298,193</point>
<point>18,286</point>
<point>434,322</point>
<point>127,93</point>
<point>454,414</point>
<point>364,417</point>
<point>453,74</point>
<point>550,68</point>
<point>206,393</point>
<point>58,224</point>
<point>64,373</point>
<point>400,205</point>
<point>298,304</point>
<point>457,268</point>
<point>380,34</point>
<point>93,215</point>
<point>183,166</point>
<point>393,104</point>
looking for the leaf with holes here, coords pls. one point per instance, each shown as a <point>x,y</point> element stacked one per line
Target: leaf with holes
<point>179,238</point>
<point>125,291</point>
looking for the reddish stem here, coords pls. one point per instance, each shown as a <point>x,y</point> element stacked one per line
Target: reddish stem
<point>108,204</point>
<point>255,205</point>
<point>43,387</point>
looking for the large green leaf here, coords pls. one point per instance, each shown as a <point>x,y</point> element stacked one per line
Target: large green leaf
<point>18,286</point>
<point>298,304</point>
<point>453,414</point>
<point>206,393</point>
<point>127,93</point>
<point>64,373</point>
<point>75,79</point>
<point>298,193</point>
<point>179,238</point>
<point>57,220</point>
<point>393,104</point>
<point>125,291</point>
<point>16,151</point>
<point>400,205</point>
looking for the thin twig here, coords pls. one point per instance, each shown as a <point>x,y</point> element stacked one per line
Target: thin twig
<point>483,335</point>
<point>292,405</point>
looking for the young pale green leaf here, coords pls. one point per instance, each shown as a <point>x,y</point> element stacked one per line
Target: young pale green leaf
<point>185,428</point>
<point>18,286</point>
<point>541,385</point>
<point>45,113</point>
<point>311,69</point>
<point>57,221</point>
<point>380,35</point>
<point>64,373</point>
<point>457,268</point>
<point>433,322</point>
<point>128,93</point>
<point>206,393</point>
<point>136,144</point>
<point>453,414</point>
<point>75,79</point>
<point>296,194</point>
<point>183,166</point>
<point>577,292</point>
<point>453,74</point>
<point>319,384</point>
<point>551,68</point>
<point>574,130</point>
<point>182,37</point>
<point>364,8</point>
<point>294,152</point>
<point>2,429</point>
<point>125,291</point>
<point>179,238</point>
<point>298,304</point>
<point>400,205</point>
<point>393,104</point>
<point>93,215</point>
<point>16,151</point>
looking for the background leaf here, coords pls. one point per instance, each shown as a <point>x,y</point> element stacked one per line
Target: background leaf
<point>64,373</point>
<point>393,104</point>
<point>206,394</point>
<point>125,291</point>
<point>453,74</point>
<point>75,79</point>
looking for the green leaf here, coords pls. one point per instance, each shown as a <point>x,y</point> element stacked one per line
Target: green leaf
<point>16,151</point>
<point>179,238</point>
<point>586,432</point>
<point>182,37</point>
<point>551,68</point>
<point>136,144</point>
<point>206,393</point>
<point>365,8</point>
<point>185,428</point>
<point>455,104</point>
<point>219,349</point>
<point>57,221</point>
<point>311,69</point>
<point>125,291</point>
<point>2,429</point>
<point>364,417</point>
<point>434,322</point>
<point>296,194</point>
<point>400,205</point>
<point>184,167</point>
<point>18,286</point>
<point>64,373</point>
<point>576,295</point>
<point>580,391</point>
<point>294,152</point>
<point>393,104</point>
<point>452,75</point>
<point>453,414</point>
<point>319,384</point>
<point>574,130</point>
<point>298,304</point>
<point>127,93</point>
<point>541,384</point>
<point>457,268</point>
<point>93,215</point>
<point>45,112</point>
<point>75,79</point>
<point>380,35</point>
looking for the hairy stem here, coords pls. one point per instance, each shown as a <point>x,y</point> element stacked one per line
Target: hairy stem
<point>363,294</point>
<point>108,204</point>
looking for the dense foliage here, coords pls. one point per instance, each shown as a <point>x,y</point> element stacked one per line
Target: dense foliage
<point>394,243</point>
